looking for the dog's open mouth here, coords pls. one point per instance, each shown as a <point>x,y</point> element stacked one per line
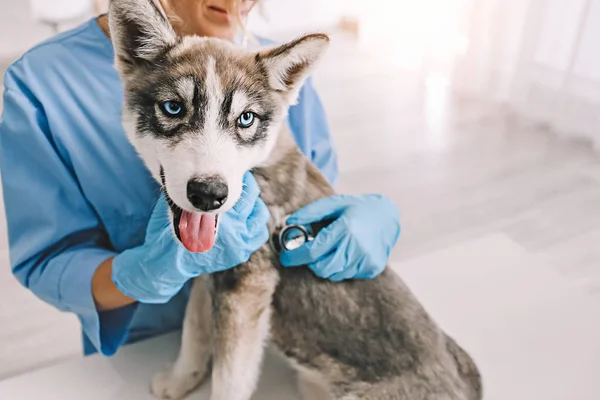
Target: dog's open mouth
<point>196,231</point>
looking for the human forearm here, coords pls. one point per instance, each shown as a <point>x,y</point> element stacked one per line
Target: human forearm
<point>106,294</point>
<point>65,280</point>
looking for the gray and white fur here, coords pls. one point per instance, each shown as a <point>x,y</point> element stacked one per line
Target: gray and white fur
<point>362,339</point>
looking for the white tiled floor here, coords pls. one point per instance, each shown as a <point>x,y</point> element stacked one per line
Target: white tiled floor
<point>457,170</point>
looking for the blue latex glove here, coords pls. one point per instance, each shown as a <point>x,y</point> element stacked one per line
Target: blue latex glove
<point>356,245</point>
<point>155,271</point>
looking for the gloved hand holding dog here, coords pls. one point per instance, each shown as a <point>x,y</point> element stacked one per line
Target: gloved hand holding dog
<point>356,245</point>
<point>155,271</point>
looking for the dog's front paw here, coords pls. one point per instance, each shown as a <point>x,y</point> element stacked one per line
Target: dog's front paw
<point>169,386</point>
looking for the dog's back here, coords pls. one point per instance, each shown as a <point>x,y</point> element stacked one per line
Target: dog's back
<point>466,368</point>
<point>370,339</point>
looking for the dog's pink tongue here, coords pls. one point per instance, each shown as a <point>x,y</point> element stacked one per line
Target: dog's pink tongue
<point>197,231</point>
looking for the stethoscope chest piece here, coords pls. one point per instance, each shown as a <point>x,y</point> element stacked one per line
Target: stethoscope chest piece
<point>291,237</point>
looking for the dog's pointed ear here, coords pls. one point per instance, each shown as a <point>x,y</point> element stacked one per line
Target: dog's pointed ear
<point>289,65</point>
<point>140,31</point>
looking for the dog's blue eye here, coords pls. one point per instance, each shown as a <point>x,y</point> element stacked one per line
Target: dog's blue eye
<point>246,119</point>
<point>171,108</point>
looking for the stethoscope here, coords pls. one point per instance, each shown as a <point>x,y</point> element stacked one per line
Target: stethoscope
<point>291,237</point>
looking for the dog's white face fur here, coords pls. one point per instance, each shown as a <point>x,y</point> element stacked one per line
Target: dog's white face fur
<point>200,109</point>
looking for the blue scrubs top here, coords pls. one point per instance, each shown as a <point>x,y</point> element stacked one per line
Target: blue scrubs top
<point>76,192</point>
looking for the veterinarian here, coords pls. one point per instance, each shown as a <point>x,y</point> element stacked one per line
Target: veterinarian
<point>79,201</point>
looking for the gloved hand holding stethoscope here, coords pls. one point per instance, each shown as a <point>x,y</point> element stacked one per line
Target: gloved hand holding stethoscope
<point>340,237</point>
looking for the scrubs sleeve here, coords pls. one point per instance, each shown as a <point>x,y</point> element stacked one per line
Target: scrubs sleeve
<point>56,241</point>
<point>311,129</point>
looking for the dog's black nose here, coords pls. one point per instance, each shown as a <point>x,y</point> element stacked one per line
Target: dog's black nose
<point>207,195</point>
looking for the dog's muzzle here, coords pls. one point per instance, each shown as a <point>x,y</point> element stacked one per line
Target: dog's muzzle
<point>175,209</point>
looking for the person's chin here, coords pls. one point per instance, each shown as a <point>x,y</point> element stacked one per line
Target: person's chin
<point>225,33</point>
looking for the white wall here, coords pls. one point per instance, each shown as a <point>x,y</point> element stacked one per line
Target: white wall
<point>19,30</point>
<point>550,73</point>
<point>295,17</point>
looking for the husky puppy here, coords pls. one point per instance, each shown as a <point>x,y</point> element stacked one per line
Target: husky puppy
<point>199,109</point>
